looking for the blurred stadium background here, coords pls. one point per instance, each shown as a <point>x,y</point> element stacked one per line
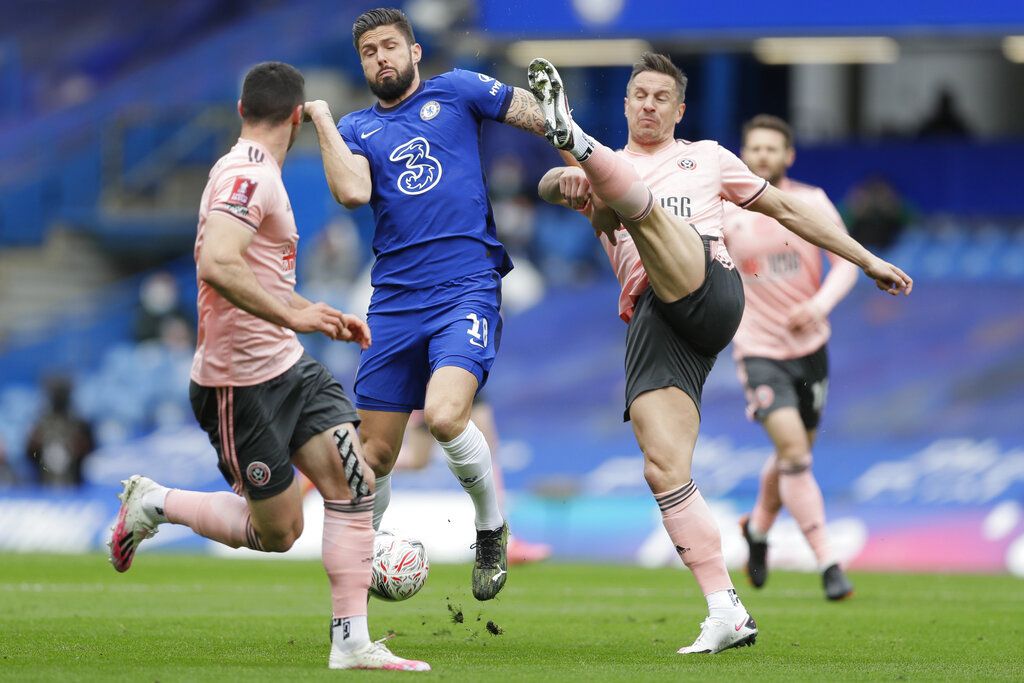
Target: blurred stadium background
<point>910,115</point>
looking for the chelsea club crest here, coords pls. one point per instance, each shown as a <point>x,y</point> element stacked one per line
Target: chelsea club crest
<point>430,110</point>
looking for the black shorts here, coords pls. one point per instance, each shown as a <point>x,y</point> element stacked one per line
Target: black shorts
<point>676,344</point>
<point>800,383</point>
<point>256,429</point>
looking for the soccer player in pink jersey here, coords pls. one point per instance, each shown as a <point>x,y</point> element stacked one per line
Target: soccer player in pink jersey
<point>659,208</point>
<point>265,404</point>
<point>780,349</point>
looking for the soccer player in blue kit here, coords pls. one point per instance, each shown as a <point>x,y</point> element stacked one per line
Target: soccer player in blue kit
<point>415,158</point>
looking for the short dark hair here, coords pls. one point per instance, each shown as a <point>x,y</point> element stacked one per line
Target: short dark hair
<point>769,122</point>
<point>382,16</point>
<point>271,91</point>
<point>653,61</point>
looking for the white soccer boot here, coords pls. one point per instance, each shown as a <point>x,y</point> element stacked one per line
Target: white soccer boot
<point>717,635</point>
<point>546,86</point>
<point>136,521</point>
<point>373,655</point>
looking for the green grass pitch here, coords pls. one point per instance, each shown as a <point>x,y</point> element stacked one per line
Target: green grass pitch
<point>185,618</point>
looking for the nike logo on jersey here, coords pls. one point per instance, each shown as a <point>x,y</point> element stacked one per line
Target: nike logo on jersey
<point>368,134</point>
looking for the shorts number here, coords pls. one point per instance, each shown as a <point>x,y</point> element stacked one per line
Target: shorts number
<point>819,390</point>
<point>478,331</point>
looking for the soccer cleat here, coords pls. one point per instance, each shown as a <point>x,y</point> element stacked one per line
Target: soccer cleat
<point>373,655</point>
<point>717,635</point>
<point>490,570</point>
<point>524,552</point>
<point>837,586</point>
<point>546,86</point>
<point>134,522</point>
<point>757,561</point>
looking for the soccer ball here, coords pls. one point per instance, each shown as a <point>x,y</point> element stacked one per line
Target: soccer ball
<point>400,567</point>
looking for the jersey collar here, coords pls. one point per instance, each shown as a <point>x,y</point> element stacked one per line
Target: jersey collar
<point>270,157</point>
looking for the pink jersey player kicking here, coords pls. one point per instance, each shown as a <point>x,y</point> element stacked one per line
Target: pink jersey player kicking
<point>660,205</point>
<point>264,403</point>
<point>780,349</point>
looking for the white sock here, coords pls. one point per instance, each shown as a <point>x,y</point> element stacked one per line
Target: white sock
<point>381,499</point>
<point>756,534</point>
<point>723,604</point>
<point>154,500</point>
<point>349,633</point>
<point>582,144</point>
<point>469,459</point>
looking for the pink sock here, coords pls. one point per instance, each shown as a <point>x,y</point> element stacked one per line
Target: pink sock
<point>220,516</point>
<point>768,504</point>
<point>693,530</point>
<point>617,183</point>
<point>347,553</point>
<point>802,497</point>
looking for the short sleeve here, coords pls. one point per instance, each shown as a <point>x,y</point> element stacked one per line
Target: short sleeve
<point>346,127</point>
<point>486,97</point>
<point>244,195</point>
<point>740,185</point>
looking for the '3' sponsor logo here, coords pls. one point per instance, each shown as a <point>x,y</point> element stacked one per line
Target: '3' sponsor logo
<point>423,171</point>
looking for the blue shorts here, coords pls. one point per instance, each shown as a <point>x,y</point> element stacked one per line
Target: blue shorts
<point>417,331</point>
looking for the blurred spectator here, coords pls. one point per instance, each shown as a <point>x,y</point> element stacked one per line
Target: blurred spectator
<point>333,261</point>
<point>331,268</point>
<point>945,120</point>
<point>161,316</point>
<point>514,209</point>
<point>875,213</point>
<point>7,475</point>
<point>60,440</point>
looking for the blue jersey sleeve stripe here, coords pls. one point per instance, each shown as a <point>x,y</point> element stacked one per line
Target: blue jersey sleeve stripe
<point>506,104</point>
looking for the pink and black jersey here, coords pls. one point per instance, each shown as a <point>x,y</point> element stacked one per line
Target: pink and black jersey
<point>781,270</point>
<point>235,348</point>
<point>692,181</point>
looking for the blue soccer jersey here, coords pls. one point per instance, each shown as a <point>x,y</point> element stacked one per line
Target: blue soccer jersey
<point>433,218</point>
<point>437,278</point>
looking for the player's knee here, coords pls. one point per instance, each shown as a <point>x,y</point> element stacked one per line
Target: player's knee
<point>664,472</point>
<point>379,456</point>
<point>793,456</point>
<point>793,459</point>
<point>446,421</point>
<point>280,540</point>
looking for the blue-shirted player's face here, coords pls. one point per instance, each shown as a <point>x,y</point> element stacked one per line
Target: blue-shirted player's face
<point>388,60</point>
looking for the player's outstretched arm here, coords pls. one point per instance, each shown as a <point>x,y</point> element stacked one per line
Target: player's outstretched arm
<point>221,264</point>
<point>348,174</point>
<point>815,227</point>
<point>568,186</point>
<point>524,112</point>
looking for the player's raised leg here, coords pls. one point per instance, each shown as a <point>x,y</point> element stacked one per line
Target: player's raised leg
<point>449,403</point>
<point>332,461</point>
<point>270,525</point>
<point>673,258</point>
<point>666,422</point>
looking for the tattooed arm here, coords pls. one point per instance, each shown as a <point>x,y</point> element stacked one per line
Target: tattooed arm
<point>524,112</point>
